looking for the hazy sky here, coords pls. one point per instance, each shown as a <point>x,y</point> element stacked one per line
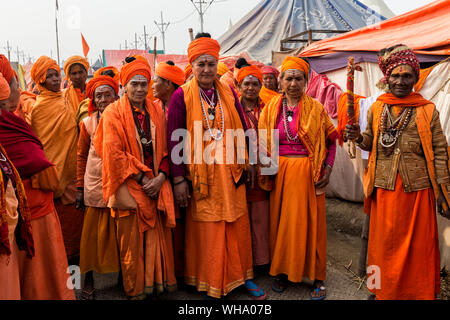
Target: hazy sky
<point>30,24</point>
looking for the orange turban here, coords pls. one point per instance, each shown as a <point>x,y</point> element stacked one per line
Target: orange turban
<point>137,67</point>
<point>187,71</point>
<point>41,67</point>
<point>113,69</point>
<point>73,60</point>
<point>249,71</point>
<point>6,69</point>
<point>171,73</point>
<point>222,68</point>
<point>96,82</point>
<point>4,88</point>
<point>203,46</point>
<point>295,63</point>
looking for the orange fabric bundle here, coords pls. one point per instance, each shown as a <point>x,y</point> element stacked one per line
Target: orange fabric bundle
<point>113,69</point>
<point>295,63</point>
<point>266,94</point>
<point>187,71</point>
<point>94,84</point>
<point>228,79</point>
<point>73,60</point>
<point>424,73</point>
<point>249,71</point>
<point>115,142</point>
<point>40,69</point>
<point>137,67</point>
<point>222,68</point>
<point>27,101</point>
<point>203,46</point>
<point>343,116</point>
<point>171,73</point>
<point>5,68</point>
<point>5,91</point>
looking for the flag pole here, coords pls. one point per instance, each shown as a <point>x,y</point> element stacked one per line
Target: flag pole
<point>57,37</point>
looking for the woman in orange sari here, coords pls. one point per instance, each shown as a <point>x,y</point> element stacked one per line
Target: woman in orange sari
<point>131,141</point>
<point>53,121</point>
<point>250,79</point>
<point>270,83</point>
<point>218,254</point>
<point>307,146</point>
<point>406,176</point>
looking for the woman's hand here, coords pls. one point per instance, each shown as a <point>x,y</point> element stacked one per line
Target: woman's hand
<point>323,182</point>
<point>152,187</point>
<point>353,133</point>
<point>181,192</point>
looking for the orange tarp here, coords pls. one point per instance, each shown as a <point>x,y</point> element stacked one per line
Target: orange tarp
<point>425,30</point>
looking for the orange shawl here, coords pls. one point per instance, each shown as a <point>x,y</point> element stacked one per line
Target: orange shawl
<point>314,129</point>
<point>27,101</point>
<point>266,94</point>
<point>343,116</point>
<point>117,144</point>
<point>53,121</point>
<point>74,97</point>
<point>198,173</point>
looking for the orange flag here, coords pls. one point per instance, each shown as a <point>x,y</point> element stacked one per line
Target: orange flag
<point>85,46</point>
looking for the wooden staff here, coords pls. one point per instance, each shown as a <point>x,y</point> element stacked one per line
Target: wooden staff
<point>191,34</point>
<point>351,68</point>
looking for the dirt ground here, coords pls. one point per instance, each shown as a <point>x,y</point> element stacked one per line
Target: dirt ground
<point>344,224</point>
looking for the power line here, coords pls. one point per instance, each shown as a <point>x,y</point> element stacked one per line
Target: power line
<point>203,6</point>
<point>163,28</point>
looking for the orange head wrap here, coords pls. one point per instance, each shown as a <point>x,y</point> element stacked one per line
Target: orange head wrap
<point>203,46</point>
<point>136,67</point>
<point>96,82</point>
<point>6,69</point>
<point>41,67</point>
<point>187,71</point>
<point>222,68</point>
<point>4,88</point>
<point>295,63</point>
<point>244,72</point>
<point>73,60</point>
<point>113,69</point>
<point>171,73</point>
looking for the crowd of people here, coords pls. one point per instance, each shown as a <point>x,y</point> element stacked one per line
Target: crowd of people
<point>98,175</point>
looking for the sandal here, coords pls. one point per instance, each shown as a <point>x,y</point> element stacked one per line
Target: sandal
<point>255,293</point>
<point>279,284</point>
<point>315,294</point>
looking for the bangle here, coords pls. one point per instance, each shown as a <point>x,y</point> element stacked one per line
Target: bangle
<point>179,182</point>
<point>141,178</point>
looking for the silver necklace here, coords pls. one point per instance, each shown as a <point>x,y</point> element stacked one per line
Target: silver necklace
<point>219,134</point>
<point>286,126</point>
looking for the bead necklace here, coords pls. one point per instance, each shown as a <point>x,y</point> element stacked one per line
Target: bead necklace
<point>390,129</point>
<point>286,125</point>
<point>210,102</point>
<point>219,134</point>
<point>142,117</point>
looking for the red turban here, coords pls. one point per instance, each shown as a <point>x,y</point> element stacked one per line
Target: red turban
<point>6,69</point>
<point>187,71</point>
<point>136,67</point>
<point>74,60</point>
<point>113,69</point>
<point>171,73</point>
<point>41,67</point>
<point>270,70</point>
<point>94,84</point>
<point>4,88</point>
<point>249,71</point>
<point>203,46</point>
<point>401,55</point>
<point>295,63</point>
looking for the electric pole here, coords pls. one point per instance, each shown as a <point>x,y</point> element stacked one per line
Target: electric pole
<point>201,9</point>
<point>163,28</point>
<point>145,39</point>
<point>135,41</point>
<point>8,49</point>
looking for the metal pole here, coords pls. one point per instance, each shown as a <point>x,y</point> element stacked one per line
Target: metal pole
<point>57,36</point>
<point>201,16</point>
<point>145,39</point>
<point>135,40</point>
